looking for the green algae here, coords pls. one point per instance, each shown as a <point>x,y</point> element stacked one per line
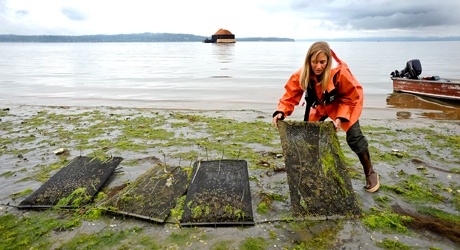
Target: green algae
<point>178,210</point>
<point>322,238</point>
<point>32,231</point>
<point>386,221</point>
<point>442,147</point>
<point>263,208</point>
<point>179,239</point>
<point>392,244</point>
<point>105,239</point>
<point>22,193</point>
<point>77,197</point>
<point>253,243</point>
<point>148,242</point>
<point>223,245</point>
<point>7,174</point>
<point>183,238</point>
<point>415,189</point>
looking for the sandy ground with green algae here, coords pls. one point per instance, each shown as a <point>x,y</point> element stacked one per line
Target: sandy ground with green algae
<point>417,207</point>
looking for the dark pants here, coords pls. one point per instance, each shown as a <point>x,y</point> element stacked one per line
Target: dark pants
<point>356,140</point>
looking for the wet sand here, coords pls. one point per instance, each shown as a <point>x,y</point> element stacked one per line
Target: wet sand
<point>273,228</point>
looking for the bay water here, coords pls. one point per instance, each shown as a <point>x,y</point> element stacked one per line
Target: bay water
<point>190,75</point>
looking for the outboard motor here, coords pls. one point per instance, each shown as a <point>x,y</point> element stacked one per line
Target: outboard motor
<point>412,70</point>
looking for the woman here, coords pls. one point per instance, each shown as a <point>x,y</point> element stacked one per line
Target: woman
<point>330,92</point>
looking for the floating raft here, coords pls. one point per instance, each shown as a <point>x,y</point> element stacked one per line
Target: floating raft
<point>218,194</point>
<point>151,196</point>
<point>318,180</point>
<point>78,183</point>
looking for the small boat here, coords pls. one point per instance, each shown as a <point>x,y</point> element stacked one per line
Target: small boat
<point>408,81</point>
<point>207,40</point>
<point>442,88</point>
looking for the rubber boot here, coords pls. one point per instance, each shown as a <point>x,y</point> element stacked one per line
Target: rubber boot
<point>372,178</point>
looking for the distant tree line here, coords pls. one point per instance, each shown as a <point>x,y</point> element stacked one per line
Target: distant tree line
<point>265,39</point>
<point>141,37</point>
<point>388,39</point>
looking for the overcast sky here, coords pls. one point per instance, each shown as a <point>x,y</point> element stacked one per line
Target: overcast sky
<point>298,19</point>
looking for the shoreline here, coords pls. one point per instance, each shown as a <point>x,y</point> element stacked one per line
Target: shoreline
<point>376,106</point>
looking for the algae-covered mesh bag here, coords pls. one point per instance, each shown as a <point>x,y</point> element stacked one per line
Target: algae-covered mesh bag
<point>318,181</point>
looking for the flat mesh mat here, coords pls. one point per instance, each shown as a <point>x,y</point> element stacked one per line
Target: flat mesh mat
<point>318,181</point>
<point>218,194</point>
<point>151,196</point>
<point>84,174</point>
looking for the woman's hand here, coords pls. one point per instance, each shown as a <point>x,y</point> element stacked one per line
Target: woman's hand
<point>276,118</point>
<point>338,124</point>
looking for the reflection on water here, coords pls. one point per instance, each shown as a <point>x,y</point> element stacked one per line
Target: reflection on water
<point>432,108</point>
<point>224,54</point>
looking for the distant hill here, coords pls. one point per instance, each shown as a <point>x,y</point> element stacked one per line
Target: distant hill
<point>141,37</point>
<point>264,39</point>
<point>386,39</point>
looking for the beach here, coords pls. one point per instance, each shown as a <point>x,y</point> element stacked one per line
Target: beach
<point>416,156</point>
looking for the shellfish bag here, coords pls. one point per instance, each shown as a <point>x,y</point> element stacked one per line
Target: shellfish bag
<point>413,69</point>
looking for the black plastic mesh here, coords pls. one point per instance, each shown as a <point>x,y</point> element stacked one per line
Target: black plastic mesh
<point>319,184</point>
<point>151,196</point>
<point>218,194</point>
<point>83,173</point>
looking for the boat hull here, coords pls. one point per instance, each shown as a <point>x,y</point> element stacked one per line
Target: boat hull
<point>436,89</point>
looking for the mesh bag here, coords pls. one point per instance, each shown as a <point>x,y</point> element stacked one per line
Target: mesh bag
<point>84,174</point>
<point>318,181</point>
<point>218,194</point>
<point>151,196</point>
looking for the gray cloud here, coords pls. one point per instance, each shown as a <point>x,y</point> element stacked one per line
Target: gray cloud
<point>380,15</point>
<point>22,13</point>
<point>73,14</point>
<point>8,17</point>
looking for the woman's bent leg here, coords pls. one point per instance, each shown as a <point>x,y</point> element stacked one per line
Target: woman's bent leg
<point>358,143</point>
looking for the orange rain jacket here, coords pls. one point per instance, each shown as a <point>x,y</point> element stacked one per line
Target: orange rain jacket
<point>347,105</point>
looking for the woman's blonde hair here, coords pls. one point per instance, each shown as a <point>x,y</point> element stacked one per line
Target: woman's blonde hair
<point>313,52</point>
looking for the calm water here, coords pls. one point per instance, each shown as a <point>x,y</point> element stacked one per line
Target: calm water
<point>196,75</point>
